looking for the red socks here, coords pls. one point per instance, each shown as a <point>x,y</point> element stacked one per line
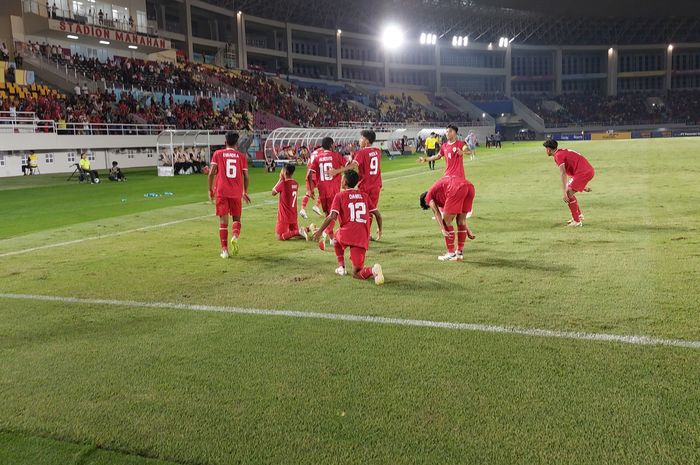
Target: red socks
<point>236,229</point>
<point>366,273</point>
<point>223,235</point>
<point>450,239</point>
<point>305,201</point>
<point>329,230</point>
<point>340,254</point>
<point>461,236</point>
<point>575,212</point>
<point>290,235</point>
<point>318,201</point>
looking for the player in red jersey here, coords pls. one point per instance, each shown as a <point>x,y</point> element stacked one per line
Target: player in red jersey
<point>453,151</point>
<point>323,164</point>
<point>367,162</point>
<point>310,187</point>
<point>229,171</point>
<point>449,198</point>
<point>288,189</point>
<point>351,207</point>
<point>575,166</point>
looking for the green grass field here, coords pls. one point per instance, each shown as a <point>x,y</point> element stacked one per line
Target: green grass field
<point>118,383</point>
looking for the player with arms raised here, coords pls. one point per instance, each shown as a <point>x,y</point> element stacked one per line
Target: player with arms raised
<point>574,165</point>
<point>351,208</point>
<point>229,174</point>
<point>288,189</point>
<point>324,163</point>
<point>367,162</point>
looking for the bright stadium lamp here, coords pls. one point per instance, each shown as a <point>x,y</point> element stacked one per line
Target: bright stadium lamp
<point>392,37</point>
<point>423,38</point>
<point>454,41</point>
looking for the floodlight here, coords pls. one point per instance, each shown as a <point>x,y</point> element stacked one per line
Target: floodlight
<point>392,37</point>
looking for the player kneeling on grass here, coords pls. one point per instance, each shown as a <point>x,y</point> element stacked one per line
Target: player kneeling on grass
<point>350,206</point>
<point>449,198</point>
<point>571,164</point>
<point>229,173</point>
<point>288,190</point>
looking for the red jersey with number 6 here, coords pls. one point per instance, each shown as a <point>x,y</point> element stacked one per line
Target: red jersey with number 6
<point>230,164</point>
<point>325,161</point>
<point>454,158</point>
<point>352,207</point>
<point>288,191</point>
<point>368,162</point>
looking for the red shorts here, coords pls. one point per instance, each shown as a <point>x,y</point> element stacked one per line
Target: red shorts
<point>228,206</point>
<point>282,228</point>
<point>373,196</point>
<point>580,180</point>
<point>460,199</point>
<point>326,203</point>
<point>357,255</point>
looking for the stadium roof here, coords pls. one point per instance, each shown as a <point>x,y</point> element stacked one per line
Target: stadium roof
<point>547,22</point>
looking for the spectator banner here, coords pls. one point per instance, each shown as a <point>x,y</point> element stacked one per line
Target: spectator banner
<point>611,135</point>
<point>574,136</point>
<point>104,33</point>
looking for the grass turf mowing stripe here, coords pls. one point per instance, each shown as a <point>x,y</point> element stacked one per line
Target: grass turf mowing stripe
<point>484,328</point>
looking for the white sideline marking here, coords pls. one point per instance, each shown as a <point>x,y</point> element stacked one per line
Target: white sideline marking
<point>119,233</point>
<point>483,328</point>
<point>184,220</point>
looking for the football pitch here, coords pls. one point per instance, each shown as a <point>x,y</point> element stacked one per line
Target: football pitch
<point>125,339</point>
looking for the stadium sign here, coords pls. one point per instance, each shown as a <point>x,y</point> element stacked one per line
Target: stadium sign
<point>103,33</point>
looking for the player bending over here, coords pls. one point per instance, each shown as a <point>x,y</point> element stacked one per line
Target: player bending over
<point>574,165</point>
<point>287,226</point>
<point>311,182</point>
<point>451,198</point>
<point>228,184</point>
<point>322,167</point>
<point>351,207</point>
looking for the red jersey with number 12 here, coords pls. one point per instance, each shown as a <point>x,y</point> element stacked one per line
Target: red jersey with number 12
<point>368,161</point>
<point>229,177</point>
<point>288,191</point>
<point>351,205</point>
<point>324,161</point>
<point>454,158</point>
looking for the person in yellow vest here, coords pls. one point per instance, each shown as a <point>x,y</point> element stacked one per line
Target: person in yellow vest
<point>430,146</point>
<point>32,163</point>
<point>85,167</point>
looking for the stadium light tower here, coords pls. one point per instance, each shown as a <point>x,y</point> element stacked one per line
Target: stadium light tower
<point>392,37</point>
<point>460,41</point>
<point>428,38</point>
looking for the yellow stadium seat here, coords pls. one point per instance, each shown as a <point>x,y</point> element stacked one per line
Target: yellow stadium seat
<point>2,83</point>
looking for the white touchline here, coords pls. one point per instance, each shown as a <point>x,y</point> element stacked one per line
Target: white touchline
<point>184,220</point>
<point>119,233</point>
<point>484,328</point>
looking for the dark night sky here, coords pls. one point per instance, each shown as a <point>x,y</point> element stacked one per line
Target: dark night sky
<point>604,7</point>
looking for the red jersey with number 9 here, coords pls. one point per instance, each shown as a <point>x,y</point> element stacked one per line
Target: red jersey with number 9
<point>230,164</point>
<point>368,162</point>
<point>352,207</point>
<point>454,158</point>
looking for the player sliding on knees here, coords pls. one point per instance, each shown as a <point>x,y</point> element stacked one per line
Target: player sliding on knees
<point>311,182</point>
<point>287,226</point>
<point>571,164</point>
<point>451,198</point>
<point>367,162</point>
<point>351,208</point>
<point>228,184</point>
<point>323,165</point>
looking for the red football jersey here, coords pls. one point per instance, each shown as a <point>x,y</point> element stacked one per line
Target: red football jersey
<point>438,192</point>
<point>288,190</point>
<point>368,161</point>
<point>351,205</point>
<point>574,162</point>
<point>324,161</point>
<point>454,158</point>
<point>229,178</point>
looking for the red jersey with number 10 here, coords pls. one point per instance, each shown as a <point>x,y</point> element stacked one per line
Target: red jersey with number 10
<point>325,161</point>
<point>368,161</point>
<point>351,205</point>
<point>230,164</point>
<point>288,191</point>
<point>454,158</point>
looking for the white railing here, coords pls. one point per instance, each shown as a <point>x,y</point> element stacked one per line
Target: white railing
<point>392,126</point>
<point>25,125</point>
